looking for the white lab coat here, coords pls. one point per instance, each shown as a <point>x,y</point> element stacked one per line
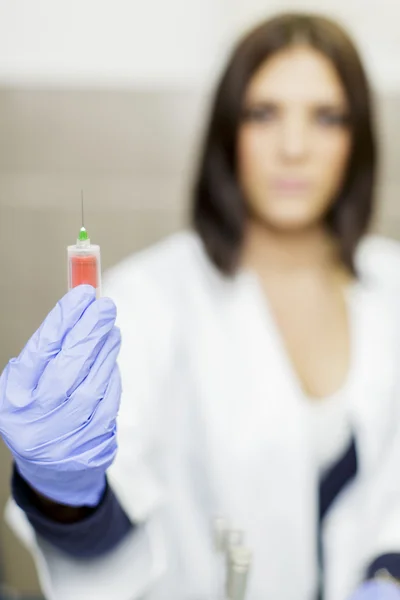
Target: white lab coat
<point>212,422</point>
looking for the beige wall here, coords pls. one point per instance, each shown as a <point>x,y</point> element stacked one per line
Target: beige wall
<point>132,154</point>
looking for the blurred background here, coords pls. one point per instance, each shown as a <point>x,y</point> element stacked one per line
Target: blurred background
<point>110,97</point>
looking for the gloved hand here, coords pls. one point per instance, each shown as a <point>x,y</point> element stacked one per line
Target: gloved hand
<point>59,400</point>
<point>377,590</point>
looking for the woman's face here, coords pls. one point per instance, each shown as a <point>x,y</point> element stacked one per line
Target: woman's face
<point>294,141</point>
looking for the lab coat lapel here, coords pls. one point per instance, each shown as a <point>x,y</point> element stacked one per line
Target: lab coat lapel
<point>264,459</point>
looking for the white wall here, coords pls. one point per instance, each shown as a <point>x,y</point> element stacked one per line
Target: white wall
<point>112,42</point>
<point>107,41</point>
<point>373,23</point>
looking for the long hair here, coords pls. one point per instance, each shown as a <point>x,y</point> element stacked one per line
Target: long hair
<point>219,209</point>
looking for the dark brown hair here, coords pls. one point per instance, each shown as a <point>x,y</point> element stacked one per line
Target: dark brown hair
<point>219,210</point>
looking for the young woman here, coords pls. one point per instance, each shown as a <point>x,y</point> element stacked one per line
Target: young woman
<point>259,362</point>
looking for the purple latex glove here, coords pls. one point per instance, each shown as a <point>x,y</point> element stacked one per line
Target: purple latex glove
<point>377,589</point>
<point>59,400</point>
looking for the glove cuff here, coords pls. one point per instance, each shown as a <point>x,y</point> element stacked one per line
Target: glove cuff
<point>77,488</point>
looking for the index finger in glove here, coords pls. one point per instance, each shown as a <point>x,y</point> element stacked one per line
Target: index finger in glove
<point>81,347</point>
<point>47,341</point>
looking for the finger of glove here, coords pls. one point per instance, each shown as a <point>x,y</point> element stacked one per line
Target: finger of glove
<point>95,450</point>
<point>103,418</point>
<point>92,442</point>
<point>71,415</point>
<point>42,430</point>
<point>93,389</point>
<point>26,370</point>
<point>81,347</point>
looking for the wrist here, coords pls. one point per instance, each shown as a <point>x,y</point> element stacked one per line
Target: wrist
<point>35,504</point>
<point>60,513</point>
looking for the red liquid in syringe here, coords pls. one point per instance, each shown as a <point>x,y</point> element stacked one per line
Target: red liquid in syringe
<point>84,271</point>
<point>84,263</point>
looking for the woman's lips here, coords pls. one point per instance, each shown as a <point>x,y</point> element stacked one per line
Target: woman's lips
<point>291,185</point>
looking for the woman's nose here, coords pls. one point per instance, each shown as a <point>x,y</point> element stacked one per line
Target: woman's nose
<point>294,140</point>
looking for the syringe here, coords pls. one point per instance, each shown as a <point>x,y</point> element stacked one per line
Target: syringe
<point>84,262</point>
<point>239,563</point>
<point>233,560</point>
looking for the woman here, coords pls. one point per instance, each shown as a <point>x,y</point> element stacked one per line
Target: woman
<point>259,362</point>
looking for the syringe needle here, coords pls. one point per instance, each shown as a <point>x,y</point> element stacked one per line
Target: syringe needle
<point>84,260</point>
<point>83,222</point>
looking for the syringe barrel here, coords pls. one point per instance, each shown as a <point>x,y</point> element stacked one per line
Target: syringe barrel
<point>239,563</point>
<point>84,266</point>
<point>237,584</point>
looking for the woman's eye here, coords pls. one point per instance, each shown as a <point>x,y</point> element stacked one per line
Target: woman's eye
<point>259,114</point>
<point>331,118</point>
